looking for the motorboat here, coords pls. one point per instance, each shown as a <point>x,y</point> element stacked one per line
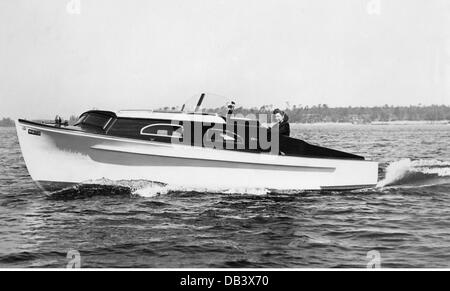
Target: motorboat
<point>193,147</point>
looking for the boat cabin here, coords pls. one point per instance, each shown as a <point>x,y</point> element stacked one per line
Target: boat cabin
<point>207,130</point>
<point>199,128</point>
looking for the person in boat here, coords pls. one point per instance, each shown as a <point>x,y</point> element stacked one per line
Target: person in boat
<point>282,121</point>
<point>231,106</point>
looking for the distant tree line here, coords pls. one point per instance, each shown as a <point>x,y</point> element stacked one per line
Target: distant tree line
<point>323,113</point>
<point>73,119</point>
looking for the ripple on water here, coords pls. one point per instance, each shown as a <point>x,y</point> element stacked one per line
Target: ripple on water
<point>143,224</point>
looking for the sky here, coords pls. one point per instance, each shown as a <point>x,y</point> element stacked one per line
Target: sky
<point>68,56</point>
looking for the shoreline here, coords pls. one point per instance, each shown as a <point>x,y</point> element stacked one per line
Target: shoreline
<point>398,122</point>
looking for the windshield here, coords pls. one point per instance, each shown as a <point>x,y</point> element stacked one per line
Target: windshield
<point>207,103</point>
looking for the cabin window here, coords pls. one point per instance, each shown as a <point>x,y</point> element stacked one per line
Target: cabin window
<point>94,120</point>
<point>163,130</point>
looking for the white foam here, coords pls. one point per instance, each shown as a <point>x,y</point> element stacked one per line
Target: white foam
<point>395,171</point>
<point>430,163</point>
<point>152,191</point>
<point>247,191</point>
<point>399,170</point>
<point>146,188</point>
<point>441,172</point>
<point>155,190</point>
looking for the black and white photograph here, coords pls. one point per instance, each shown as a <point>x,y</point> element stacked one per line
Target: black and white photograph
<point>225,135</point>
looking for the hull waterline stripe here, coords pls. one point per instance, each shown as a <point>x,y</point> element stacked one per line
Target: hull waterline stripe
<point>347,187</point>
<point>57,185</point>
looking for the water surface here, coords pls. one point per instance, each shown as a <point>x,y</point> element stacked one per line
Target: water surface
<point>140,224</point>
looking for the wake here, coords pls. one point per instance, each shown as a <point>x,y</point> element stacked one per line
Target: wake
<point>416,173</point>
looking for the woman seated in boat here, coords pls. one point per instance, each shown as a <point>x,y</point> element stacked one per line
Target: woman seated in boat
<point>282,122</point>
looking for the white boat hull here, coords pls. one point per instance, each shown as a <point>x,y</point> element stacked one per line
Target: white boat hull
<point>56,156</point>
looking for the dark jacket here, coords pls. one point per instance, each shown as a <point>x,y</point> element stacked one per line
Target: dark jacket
<point>283,127</point>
